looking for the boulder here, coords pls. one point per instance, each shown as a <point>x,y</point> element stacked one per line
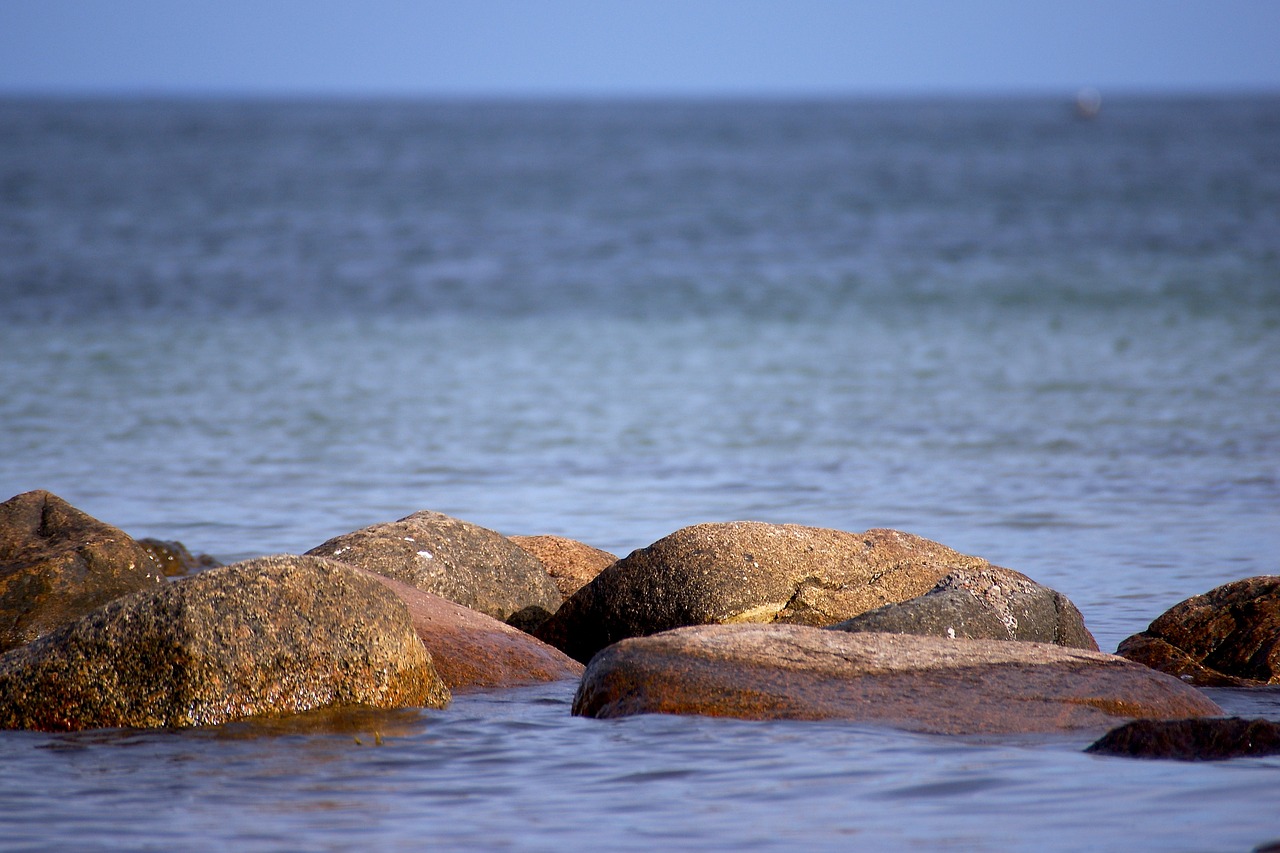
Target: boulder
<point>571,564</point>
<point>990,603</point>
<point>57,564</point>
<point>927,684</point>
<point>471,650</point>
<point>1227,637</point>
<point>748,571</point>
<point>463,562</point>
<point>274,635</point>
<point>175,560</point>
<point>1210,739</point>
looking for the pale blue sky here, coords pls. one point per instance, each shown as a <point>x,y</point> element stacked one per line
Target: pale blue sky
<point>637,47</point>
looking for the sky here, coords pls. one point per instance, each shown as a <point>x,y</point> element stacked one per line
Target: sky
<point>636,47</point>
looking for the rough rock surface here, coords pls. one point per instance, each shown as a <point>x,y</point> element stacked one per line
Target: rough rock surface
<point>175,560</point>
<point>463,562</point>
<point>471,650</point>
<point>571,564</point>
<point>58,563</point>
<point>918,683</point>
<point>274,635</point>
<point>1227,637</point>
<point>748,571</point>
<point>1210,739</point>
<point>991,603</point>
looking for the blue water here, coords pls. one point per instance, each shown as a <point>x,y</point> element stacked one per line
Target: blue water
<point>252,326</point>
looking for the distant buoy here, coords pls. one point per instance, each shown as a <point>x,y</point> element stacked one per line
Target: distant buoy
<point>1088,103</point>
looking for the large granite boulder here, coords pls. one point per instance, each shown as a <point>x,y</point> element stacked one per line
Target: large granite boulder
<point>463,562</point>
<point>274,635</point>
<point>748,571</point>
<point>1227,637</point>
<point>927,684</point>
<point>471,650</point>
<point>58,563</point>
<point>571,564</point>
<point>991,603</point>
<point>1212,739</point>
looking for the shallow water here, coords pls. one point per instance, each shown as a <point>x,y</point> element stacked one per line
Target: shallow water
<point>251,327</point>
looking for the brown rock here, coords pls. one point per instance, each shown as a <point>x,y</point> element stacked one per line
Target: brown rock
<point>274,635</point>
<point>748,571</point>
<point>917,683</point>
<point>1211,739</point>
<point>1227,637</point>
<point>57,564</point>
<point>463,562</point>
<point>990,603</point>
<point>175,560</point>
<point>471,650</point>
<point>571,564</point>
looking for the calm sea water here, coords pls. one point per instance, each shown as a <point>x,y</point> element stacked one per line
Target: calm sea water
<point>251,326</point>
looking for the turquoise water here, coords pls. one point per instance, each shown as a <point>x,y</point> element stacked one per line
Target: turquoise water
<point>253,326</point>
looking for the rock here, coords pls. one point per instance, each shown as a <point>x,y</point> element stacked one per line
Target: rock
<point>571,564</point>
<point>463,562</point>
<point>274,635</point>
<point>926,684</point>
<point>1227,637</point>
<point>57,564</point>
<point>174,559</point>
<point>990,603</point>
<point>471,650</point>
<point>748,571</point>
<point>1192,740</point>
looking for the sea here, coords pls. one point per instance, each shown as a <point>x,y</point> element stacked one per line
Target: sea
<point>250,325</point>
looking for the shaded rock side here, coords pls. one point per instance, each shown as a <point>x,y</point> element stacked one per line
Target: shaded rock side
<point>1227,637</point>
<point>926,684</point>
<point>58,563</point>
<point>471,650</point>
<point>991,603</point>
<point>275,635</point>
<point>1212,739</point>
<point>463,562</point>
<point>748,571</point>
<point>571,564</point>
<point>175,560</point>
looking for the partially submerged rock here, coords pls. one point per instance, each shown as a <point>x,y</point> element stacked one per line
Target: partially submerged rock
<point>990,603</point>
<point>463,562</point>
<point>1212,739</point>
<point>1227,637</point>
<point>275,635</point>
<point>58,563</point>
<point>571,564</point>
<point>926,684</point>
<point>748,571</point>
<point>471,650</point>
<point>175,560</point>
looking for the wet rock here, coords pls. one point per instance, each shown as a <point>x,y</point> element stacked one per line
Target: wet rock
<point>175,560</point>
<point>990,603</point>
<point>463,562</point>
<point>571,564</point>
<point>1227,637</point>
<point>471,650</point>
<point>275,635</point>
<point>927,684</point>
<point>748,571</point>
<point>1211,739</point>
<point>58,563</point>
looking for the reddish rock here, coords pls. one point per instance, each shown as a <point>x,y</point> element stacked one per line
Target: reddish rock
<point>463,562</point>
<point>1227,637</point>
<point>1213,739</point>
<point>471,650</point>
<point>57,564</point>
<point>275,635</point>
<point>571,564</point>
<point>927,684</point>
<point>748,571</point>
